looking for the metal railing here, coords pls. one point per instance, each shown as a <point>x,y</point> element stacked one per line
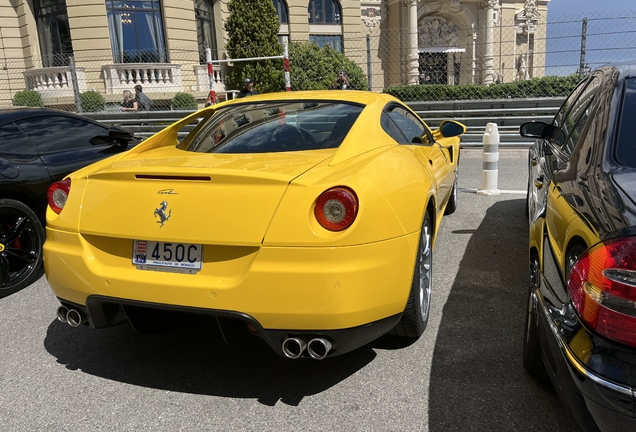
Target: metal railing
<point>508,114</point>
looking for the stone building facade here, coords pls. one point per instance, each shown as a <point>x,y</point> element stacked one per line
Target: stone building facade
<point>116,44</point>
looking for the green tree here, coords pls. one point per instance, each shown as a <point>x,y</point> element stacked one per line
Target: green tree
<point>252,30</point>
<point>316,68</point>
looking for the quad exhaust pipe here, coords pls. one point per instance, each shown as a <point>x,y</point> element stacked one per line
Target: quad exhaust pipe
<point>317,348</point>
<point>71,317</point>
<point>293,347</point>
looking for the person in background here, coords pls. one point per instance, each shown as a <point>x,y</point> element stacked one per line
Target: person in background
<point>248,90</point>
<point>342,82</point>
<point>128,104</point>
<point>143,102</point>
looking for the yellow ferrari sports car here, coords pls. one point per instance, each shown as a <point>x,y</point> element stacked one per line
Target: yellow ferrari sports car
<point>310,216</point>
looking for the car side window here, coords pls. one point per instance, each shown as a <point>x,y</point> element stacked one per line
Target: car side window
<point>574,122</point>
<point>14,143</point>
<point>565,108</point>
<point>59,133</point>
<point>391,129</point>
<point>410,125</point>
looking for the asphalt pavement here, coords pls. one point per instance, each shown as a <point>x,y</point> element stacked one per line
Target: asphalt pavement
<point>463,374</point>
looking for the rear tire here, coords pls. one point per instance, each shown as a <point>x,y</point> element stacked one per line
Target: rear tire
<point>415,316</point>
<point>532,361</point>
<point>21,240</point>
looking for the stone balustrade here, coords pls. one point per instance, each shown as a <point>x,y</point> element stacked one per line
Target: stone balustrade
<point>54,81</point>
<point>219,76</point>
<point>153,77</point>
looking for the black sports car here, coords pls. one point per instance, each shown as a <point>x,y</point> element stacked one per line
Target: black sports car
<point>37,148</point>
<point>581,321</point>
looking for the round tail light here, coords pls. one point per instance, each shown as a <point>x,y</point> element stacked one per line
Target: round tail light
<point>58,194</point>
<point>336,208</point>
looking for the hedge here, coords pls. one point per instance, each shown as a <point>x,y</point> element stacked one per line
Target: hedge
<point>184,101</point>
<point>92,101</point>
<point>29,98</point>
<point>550,86</point>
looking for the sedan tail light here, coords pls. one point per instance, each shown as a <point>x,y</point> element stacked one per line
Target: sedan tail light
<point>57,195</point>
<point>336,208</point>
<point>602,285</point>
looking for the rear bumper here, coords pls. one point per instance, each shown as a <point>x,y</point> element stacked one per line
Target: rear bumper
<point>595,401</point>
<point>102,312</point>
<point>281,288</point>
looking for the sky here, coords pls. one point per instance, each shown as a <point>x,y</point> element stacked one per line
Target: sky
<point>610,36</point>
<point>567,7</point>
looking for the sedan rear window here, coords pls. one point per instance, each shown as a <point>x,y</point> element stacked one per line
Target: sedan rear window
<point>626,143</point>
<point>274,127</point>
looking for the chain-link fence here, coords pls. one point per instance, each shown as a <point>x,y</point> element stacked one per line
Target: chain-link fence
<point>437,61</point>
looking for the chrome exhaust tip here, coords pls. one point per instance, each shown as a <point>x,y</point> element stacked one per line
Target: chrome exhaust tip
<point>74,318</point>
<point>318,348</point>
<point>61,313</point>
<point>293,347</point>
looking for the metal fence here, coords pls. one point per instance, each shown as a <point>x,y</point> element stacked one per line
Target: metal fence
<point>438,61</point>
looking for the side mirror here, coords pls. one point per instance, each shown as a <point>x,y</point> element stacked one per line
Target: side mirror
<point>116,136</point>
<point>451,128</point>
<point>533,129</point>
<point>121,135</point>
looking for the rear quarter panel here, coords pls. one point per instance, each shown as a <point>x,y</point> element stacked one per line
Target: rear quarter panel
<point>393,187</point>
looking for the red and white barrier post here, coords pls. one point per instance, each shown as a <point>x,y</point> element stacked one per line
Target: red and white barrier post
<point>286,65</point>
<point>208,59</point>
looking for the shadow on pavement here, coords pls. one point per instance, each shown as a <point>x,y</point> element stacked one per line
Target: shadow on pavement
<point>477,379</point>
<point>195,359</point>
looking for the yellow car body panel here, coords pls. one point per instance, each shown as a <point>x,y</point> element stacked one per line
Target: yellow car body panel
<point>264,253</point>
<point>300,288</point>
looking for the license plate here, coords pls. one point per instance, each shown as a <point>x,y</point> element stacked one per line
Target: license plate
<point>170,257</point>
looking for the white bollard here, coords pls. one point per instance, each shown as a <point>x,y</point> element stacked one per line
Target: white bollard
<point>489,158</point>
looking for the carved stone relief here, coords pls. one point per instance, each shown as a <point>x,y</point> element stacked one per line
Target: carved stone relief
<point>527,20</point>
<point>371,12</point>
<point>436,31</point>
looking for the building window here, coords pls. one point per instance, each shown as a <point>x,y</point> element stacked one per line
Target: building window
<point>281,10</point>
<point>206,32</point>
<point>136,31</point>
<point>323,12</point>
<point>333,41</point>
<point>53,32</point>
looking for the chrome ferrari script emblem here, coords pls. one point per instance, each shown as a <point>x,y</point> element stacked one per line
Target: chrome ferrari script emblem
<point>161,212</point>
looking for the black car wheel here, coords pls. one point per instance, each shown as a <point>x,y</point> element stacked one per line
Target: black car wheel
<point>21,240</point>
<point>415,316</point>
<point>532,361</point>
<point>452,201</point>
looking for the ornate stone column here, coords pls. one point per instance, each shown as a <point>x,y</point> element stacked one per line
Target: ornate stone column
<point>526,26</point>
<point>488,63</point>
<point>413,56</point>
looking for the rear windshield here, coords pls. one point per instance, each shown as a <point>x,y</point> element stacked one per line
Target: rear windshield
<point>274,127</point>
<point>626,143</point>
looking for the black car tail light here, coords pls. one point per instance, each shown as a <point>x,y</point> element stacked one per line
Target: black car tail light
<point>602,285</point>
<point>58,194</point>
<point>336,208</point>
